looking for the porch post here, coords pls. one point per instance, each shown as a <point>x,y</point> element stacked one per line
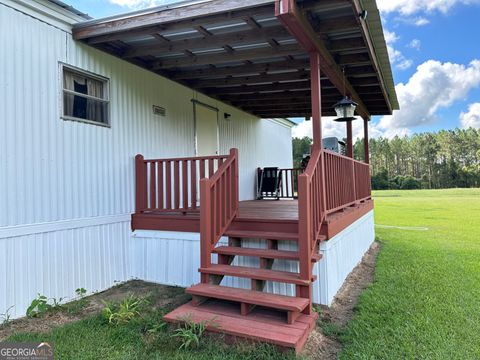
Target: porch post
<point>365,141</point>
<point>349,139</point>
<point>316,99</point>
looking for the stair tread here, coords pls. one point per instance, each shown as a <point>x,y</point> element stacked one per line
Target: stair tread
<point>271,235</point>
<point>261,325</point>
<point>256,273</point>
<point>253,297</point>
<point>264,253</point>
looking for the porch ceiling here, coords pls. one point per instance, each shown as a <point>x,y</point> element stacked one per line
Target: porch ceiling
<point>238,52</point>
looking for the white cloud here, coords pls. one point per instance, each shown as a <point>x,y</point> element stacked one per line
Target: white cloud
<point>415,44</point>
<point>434,85</point>
<point>141,4</point>
<point>472,117</point>
<point>409,7</point>
<point>390,37</point>
<point>420,21</point>
<point>332,128</point>
<point>396,56</point>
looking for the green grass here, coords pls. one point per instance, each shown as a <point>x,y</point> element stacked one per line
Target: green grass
<point>93,338</point>
<point>425,301</point>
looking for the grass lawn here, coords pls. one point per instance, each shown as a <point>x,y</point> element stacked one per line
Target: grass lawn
<point>425,302</point>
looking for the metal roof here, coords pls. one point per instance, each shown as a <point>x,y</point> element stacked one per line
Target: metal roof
<point>240,53</point>
<point>70,9</point>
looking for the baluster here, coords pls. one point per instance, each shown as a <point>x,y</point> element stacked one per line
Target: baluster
<point>168,178</point>
<point>153,184</point>
<point>185,183</point>
<point>193,183</point>
<point>160,185</point>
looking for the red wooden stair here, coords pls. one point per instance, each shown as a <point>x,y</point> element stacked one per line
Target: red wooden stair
<point>251,313</point>
<point>256,274</point>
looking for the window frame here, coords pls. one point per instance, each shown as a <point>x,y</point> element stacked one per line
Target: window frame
<point>62,91</point>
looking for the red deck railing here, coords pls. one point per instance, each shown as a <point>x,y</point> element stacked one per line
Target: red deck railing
<point>289,182</point>
<point>219,198</point>
<point>311,210</point>
<point>339,181</point>
<point>363,185</point>
<point>330,183</point>
<point>171,185</point>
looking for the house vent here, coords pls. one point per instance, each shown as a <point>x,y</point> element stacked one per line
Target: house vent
<point>159,111</point>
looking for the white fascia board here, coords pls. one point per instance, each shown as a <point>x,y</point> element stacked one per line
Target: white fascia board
<point>281,121</point>
<point>45,11</point>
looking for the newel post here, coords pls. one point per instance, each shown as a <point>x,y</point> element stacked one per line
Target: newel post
<point>206,231</point>
<point>140,184</point>
<point>234,154</point>
<point>304,227</point>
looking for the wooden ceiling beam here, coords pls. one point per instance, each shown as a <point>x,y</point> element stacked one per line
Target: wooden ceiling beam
<point>241,69</point>
<point>225,57</point>
<point>365,81</point>
<point>297,85</point>
<point>301,28</point>
<point>337,24</point>
<point>189,14</point>
<point>246,80</point>
<point>353,59</point>
<point>212,41</point>
<point>281,96</point>
<point>358,8</point>
<point>351,44</point>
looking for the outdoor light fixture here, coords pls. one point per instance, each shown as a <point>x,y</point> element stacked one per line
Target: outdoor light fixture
<point>345,108</point>
<point>363,15</point>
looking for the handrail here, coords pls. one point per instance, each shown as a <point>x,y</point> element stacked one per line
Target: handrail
<point>311,210</point>
<point>219,199</point>
<point>171,184</point>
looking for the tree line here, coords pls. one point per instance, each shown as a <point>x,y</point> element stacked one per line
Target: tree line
<point>432,160</point>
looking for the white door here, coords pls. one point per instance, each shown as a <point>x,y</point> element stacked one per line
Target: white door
<point>206,125</point>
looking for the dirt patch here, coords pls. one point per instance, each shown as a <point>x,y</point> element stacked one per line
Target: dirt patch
<point>341,311</point>
<point>167,297</point>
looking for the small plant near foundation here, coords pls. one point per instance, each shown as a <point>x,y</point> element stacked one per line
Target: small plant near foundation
<point>6,317</point>
<point>123,312</point>
<point>38,306</point>
<point>191,332</point>
<point>76,306</point>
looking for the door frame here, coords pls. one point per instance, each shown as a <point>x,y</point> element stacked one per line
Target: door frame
<point>196,103</point>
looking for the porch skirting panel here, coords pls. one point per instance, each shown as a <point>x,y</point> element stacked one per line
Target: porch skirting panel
<point>340,256</point>
<point>173,258</point>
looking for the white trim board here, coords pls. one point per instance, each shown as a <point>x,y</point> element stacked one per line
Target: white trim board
<point>46,227</point>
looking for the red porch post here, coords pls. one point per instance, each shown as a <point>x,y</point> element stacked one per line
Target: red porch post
<point>316,99</point>
<point>365,141</point>
<point>349,139</point>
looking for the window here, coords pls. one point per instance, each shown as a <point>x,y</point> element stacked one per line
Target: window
<point>85,97</point>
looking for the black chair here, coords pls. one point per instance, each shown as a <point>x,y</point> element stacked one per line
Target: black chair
<point>269,182</point>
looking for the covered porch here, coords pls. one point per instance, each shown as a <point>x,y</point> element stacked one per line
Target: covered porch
<point>271,59</point>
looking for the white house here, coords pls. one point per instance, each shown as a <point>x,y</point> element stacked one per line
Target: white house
<point>77,106</point>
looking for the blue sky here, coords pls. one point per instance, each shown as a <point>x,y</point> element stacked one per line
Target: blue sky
<point>435,55</point>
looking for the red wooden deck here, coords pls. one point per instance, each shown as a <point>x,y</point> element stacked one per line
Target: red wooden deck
<point>278,215</point>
